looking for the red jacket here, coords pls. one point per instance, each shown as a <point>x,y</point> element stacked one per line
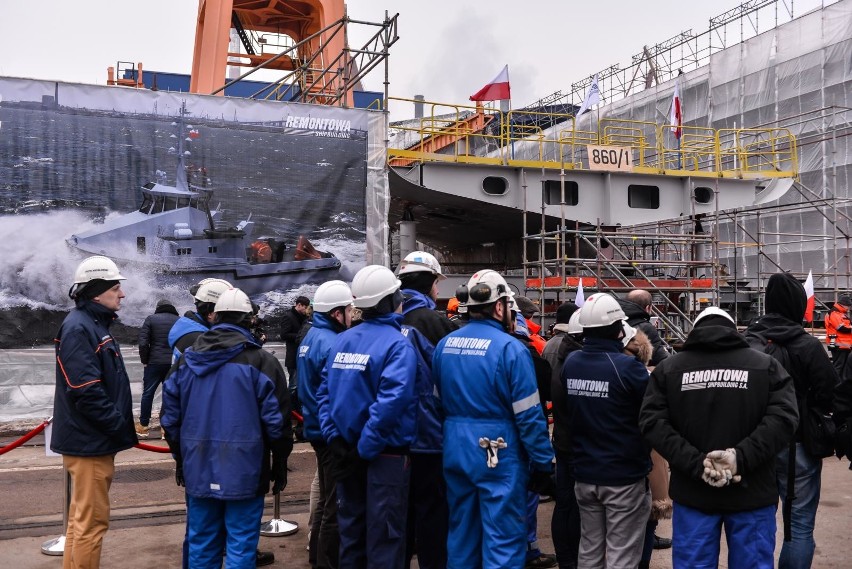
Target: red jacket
<point>837,322</point>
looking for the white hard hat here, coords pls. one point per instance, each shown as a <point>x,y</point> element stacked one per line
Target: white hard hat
<point>420,261</point>
<point>600,310</point>
<point>212,290</point>
<point>713,311</point>
<point>331,294</point>
<point>233,300</point>
<point>629,333</point>
<point>574,326</point>
<point>97,267</point>
<point>371,284</point>
<point>485,287</point>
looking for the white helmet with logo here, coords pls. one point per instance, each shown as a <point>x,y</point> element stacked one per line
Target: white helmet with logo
<point>420,261</point>
<point>600,310</point>
<point>97,267</point>
<point>371,284</point>
<point>485,287</point>
<point>233,300</point>
<point>212,290</point>
<point>332,294</point>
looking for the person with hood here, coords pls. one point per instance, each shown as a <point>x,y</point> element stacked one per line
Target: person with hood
<point>156,357</point>
<point>226,412</point>
<point>500,447</point>
<point>814,378</point>
<point>720,412</point>
<point>838,333</point>
<point>428,515</point>
<point>609,457</point>
<point>368,416</point>
<point>92,406</point>
<point>332,315</point>
<point>637,308</point>
<point>192,324</point>
<point>565,524</point>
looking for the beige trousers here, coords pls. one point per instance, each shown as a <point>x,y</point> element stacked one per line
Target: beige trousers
<point>88,514</point>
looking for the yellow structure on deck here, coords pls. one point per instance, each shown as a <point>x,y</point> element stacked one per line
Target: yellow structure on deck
<point>700,152</point>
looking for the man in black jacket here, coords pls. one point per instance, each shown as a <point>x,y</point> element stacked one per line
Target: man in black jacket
<point>156,357</point>
<point>719,397</point>
<point>814,378</point>
<point>637,308</point>
<point>291,325</point>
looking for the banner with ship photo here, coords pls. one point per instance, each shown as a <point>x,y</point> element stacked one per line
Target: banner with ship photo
<point>175,187</point>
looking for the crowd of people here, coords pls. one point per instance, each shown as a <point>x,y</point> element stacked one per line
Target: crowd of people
<point>430,429</point>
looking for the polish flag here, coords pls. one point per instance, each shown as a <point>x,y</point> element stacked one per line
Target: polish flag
<point>496,90</point>
<point>809,292</point>
<point>676,119</point>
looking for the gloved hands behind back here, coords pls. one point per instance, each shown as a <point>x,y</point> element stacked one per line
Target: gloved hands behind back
<point>541,482</point>
<point>179,475</point>
<point>720,468</point>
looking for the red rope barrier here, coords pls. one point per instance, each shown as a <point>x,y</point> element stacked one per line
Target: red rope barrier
<point>25,438</point>
<point>153,448</point>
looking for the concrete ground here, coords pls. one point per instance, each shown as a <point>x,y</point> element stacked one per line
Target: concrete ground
<point>147,525</point>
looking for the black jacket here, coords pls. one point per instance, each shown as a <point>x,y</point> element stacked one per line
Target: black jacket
<point>154,336</point>
<point>92,407</point>
<point>555,352</point>
<point>813,374</point>
<point>718,393</point>
<point>429,323</point>
<point>641,320</point>
<point>291,325</point>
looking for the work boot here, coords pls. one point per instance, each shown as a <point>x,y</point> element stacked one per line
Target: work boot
<point>264,558</point>
<point>542,561</point>
<point>141,431</point>
<point>662,542</point>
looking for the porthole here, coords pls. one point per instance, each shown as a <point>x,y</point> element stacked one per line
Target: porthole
<point>495,185</point>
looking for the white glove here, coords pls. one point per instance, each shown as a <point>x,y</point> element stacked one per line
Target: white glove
<point>720,468</point>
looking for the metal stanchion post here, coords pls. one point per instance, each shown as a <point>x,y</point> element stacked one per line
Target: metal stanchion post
<point>276,526</point>
<point>56,546</point>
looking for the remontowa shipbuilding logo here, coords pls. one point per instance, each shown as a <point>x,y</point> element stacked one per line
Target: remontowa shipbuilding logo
<point>332,128</point>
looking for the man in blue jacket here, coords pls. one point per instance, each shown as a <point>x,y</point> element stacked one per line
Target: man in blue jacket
<point>191,325</point>
<point>496,427</point>
<point>428,515</point>
<point>368,412</point>
<point>332,315</point>
<point>610,458</point>
<point>226,408</point>
<point>92,407</point>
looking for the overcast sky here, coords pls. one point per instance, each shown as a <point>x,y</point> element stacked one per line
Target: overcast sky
<point>447,50</point>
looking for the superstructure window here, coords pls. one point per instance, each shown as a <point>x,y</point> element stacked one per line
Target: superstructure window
<point>184,251</point>
<point>146,203</point>
<point>643,197</point>
<point>553,192</point>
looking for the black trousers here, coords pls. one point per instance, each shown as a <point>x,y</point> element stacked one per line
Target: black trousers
<point>325,539</point>
<point>428,513</point>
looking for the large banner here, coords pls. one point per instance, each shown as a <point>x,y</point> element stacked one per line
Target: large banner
<point>176,187</point>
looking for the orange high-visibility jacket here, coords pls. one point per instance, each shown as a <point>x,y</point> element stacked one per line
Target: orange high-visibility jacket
<point>837,322</point>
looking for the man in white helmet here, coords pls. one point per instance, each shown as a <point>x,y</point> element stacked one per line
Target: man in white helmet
<point>332,315</point>
<point>428,516</point>
<point>368,412</point>
<point>226,412</point>
<point>194,323</point>
<point>92,407</point>
<point>609,457</point>
<point>497,437</point>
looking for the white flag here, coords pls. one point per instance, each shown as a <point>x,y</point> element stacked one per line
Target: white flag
<point>593,97</point>
<point>581,298</point>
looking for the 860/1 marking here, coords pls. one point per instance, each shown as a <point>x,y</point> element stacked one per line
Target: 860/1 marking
<point>610,158</point>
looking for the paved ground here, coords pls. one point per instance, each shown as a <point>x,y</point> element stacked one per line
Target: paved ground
<point>147,517</point>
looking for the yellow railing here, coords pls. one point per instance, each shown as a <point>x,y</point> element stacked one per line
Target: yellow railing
<point>452,133</point>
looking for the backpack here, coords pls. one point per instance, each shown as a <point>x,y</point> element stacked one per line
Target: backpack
<point>818,429</point>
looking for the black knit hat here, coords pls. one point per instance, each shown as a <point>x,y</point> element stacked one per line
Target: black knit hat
<point>95,287</point>
<point>564,312</point>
